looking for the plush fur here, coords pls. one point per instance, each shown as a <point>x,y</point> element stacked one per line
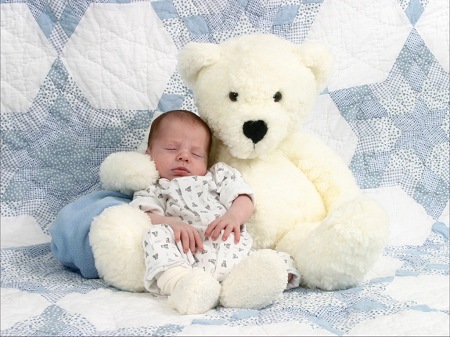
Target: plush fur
<point>116,240</point>
<point>127,172</point>
<point>254,91</point>
<point>259,280</point>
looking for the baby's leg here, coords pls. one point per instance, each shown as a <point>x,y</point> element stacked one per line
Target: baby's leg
<point>293,274</point>
<point>164,263</point>
<point>169,272</point>
<point>220,257</point>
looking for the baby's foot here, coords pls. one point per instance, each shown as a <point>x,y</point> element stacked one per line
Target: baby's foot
<point>196,293</point>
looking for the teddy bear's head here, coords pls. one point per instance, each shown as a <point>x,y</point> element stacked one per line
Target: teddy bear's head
<point>253,90</point>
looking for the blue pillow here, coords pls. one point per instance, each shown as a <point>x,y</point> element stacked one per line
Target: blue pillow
<point>70,230</point>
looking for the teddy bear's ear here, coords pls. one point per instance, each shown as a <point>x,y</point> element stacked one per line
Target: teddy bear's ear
<point>194,57</point>
<point>319,59</point>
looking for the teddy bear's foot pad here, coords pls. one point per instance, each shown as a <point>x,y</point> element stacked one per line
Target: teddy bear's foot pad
<point>257,282</point>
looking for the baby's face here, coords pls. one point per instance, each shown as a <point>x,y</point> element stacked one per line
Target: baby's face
<point>180,149</point>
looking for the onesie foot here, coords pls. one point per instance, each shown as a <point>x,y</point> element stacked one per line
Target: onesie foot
<point>196,293</point>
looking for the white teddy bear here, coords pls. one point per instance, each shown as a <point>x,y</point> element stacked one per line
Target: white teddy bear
<point>254,91</point>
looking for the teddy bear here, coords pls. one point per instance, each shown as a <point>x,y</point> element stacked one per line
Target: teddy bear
<point>116,254</point>
<point>111,246</point>
<point>254,91</point>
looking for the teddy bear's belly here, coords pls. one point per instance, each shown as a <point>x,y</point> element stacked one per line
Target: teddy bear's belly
<point>284,197</point>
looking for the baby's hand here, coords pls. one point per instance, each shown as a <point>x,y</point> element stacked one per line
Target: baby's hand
<point>228,223</point>
<point>190,238</point>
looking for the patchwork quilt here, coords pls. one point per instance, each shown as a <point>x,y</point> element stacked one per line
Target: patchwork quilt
<point>83,79</point>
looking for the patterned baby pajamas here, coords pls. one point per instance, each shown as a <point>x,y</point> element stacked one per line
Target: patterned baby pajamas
<point>196,200</point>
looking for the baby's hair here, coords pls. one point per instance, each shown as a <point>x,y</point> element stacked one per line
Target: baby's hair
<point>182,115</point>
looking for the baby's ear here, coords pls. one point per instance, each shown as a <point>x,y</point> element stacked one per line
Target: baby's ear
<point>194,57</point>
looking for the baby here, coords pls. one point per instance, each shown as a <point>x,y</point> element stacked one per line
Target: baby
<point>198,214</point>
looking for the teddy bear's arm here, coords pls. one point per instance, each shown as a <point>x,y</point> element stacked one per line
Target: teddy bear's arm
<point>324,168</point>
<point>127,172</point>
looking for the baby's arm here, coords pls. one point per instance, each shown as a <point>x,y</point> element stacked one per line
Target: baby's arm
<point>150,202</point>
<point>239,212</point>
<point>189,236</point>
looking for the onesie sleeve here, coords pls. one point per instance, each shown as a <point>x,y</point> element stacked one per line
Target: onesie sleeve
<point>149,200</point>
<point>230,184</point>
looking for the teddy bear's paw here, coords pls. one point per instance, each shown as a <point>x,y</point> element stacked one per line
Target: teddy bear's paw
<point>196,293</point>
<point>128,172</point>
<point>257,282</point>
<point>344,247</point>
<point>116,240</point>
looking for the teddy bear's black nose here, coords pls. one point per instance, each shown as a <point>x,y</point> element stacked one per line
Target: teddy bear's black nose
<point>255,130</point>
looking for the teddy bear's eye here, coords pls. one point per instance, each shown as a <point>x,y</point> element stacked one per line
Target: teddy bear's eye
<point>233,96</point>
<point>277,96</point>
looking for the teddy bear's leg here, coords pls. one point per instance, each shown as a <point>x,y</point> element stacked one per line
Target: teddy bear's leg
<point>116,240</point>
<point>195,293</point>
<point>342,249</point>
<point>258,281</point>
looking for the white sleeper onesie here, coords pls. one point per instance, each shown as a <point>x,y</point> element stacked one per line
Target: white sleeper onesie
<point>196,200</point>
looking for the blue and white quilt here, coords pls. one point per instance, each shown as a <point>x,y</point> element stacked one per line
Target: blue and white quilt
<point>82,79</point>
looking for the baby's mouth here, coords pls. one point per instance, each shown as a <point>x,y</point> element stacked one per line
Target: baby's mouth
<point>180,171</point>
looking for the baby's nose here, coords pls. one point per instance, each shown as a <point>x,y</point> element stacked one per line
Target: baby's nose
<point>183,156</point>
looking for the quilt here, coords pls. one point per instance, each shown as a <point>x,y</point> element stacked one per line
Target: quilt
<point>83,79</point>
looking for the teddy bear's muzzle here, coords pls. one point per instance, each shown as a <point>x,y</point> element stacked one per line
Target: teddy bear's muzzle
<point>255,130</point>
